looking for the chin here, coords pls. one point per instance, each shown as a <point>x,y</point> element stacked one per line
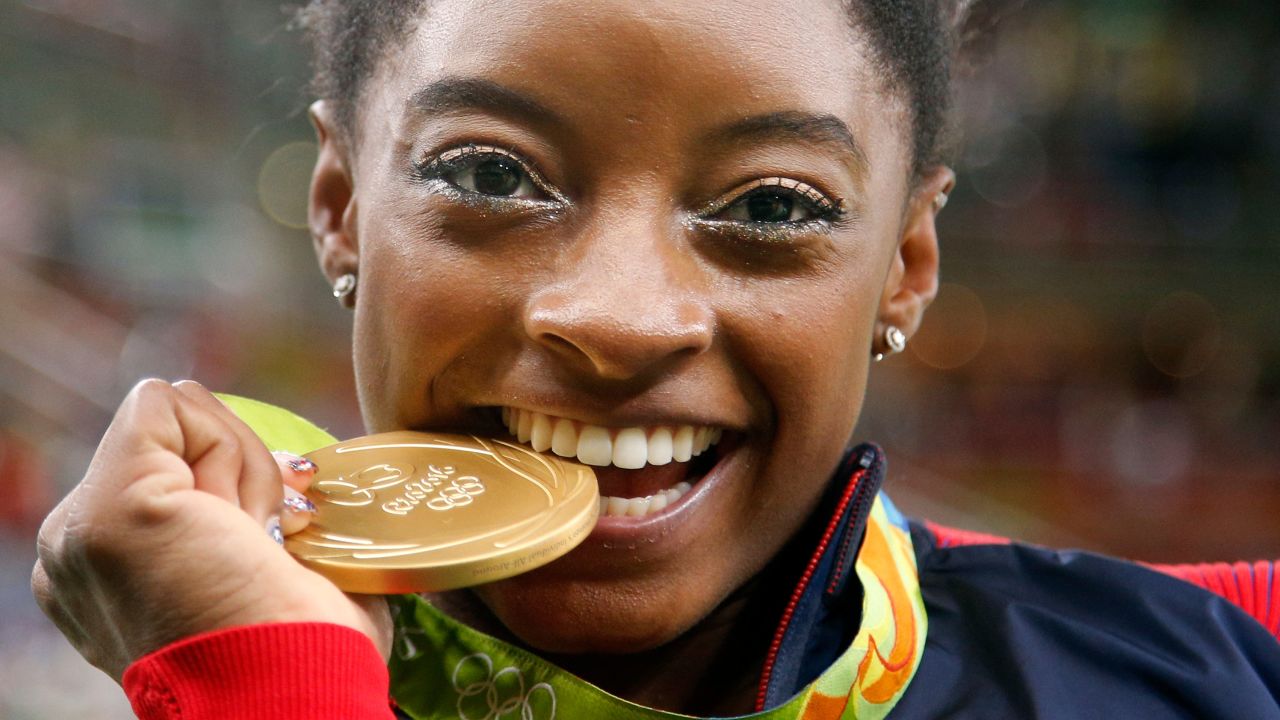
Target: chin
<point>583,617</point>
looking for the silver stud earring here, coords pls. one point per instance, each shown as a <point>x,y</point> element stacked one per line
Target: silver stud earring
<point>894,341</point>
<point>939,202</point>
<point>343,288</point>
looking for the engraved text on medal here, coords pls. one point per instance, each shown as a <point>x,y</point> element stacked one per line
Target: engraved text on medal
<point>439,488</point>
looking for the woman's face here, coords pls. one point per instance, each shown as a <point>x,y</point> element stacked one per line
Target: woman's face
<point>637,217</point>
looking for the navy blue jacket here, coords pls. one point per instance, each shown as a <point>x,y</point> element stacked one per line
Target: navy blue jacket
<point>1017,631</point>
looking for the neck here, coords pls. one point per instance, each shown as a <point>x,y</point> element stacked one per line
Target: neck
<point>713,669</point>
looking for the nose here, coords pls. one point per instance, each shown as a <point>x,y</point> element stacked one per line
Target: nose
<point>622,309</point>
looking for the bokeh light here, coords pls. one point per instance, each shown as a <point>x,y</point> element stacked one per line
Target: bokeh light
<point>1045,338</point>
<point>1181,334</point>
<point>1007,166</point>
<point>954,330</point>
<point>1102,367</point>
<point>283,182</point>
<point>1152,444</point>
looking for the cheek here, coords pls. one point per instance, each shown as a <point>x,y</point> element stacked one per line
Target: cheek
<point>808,344</point>
<point>423,303</point>
<point>812,357</point>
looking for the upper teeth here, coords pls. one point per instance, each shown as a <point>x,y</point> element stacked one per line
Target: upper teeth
<point>629,447</point>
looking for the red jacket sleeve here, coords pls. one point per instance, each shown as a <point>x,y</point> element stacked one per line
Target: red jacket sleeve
<point>1252,587</point>
<point>294,671</point>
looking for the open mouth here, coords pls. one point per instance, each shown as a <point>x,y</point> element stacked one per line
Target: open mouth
<point>641,470</point>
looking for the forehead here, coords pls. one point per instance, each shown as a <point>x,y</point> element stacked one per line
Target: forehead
<point>648,66</point>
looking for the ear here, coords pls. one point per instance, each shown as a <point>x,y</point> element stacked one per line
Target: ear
<point>913,276</point>
<point>331,210</point>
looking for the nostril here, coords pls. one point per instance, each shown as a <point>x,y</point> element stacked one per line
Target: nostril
<point>559,344</point>
<point>615,334</point>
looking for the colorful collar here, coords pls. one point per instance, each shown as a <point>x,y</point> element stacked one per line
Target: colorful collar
<point>441,668</point>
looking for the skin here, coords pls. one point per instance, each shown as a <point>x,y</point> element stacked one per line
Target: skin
<point>626,292</point>
<point>163,538</point>
<point>464,306</point>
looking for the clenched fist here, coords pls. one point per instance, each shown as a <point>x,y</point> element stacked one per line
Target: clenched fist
<point>165,537</point>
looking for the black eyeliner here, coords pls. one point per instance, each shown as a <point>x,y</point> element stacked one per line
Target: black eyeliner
<point>435,169</point>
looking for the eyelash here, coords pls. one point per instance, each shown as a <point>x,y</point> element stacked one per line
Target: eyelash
<point>436,169</point>
<point>827,213</point>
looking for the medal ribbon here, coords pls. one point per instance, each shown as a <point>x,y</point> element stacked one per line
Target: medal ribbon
<point>443,669</point>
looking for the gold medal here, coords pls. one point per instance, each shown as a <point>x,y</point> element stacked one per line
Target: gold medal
<point>412,512</point>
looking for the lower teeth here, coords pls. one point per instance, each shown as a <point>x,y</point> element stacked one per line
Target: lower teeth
<point>647,505</point>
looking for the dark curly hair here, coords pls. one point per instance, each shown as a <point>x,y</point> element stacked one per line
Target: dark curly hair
<point>916,43</point>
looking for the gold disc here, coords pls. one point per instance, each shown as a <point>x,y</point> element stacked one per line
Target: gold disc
<point>406,512</point>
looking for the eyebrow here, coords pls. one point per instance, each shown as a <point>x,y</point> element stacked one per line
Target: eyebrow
<point>815,128</point>
<point>461,94</point>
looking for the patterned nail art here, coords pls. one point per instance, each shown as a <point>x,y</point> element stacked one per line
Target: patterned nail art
<point>273,529</point>
<point>302,465</point>
<point>299,503</point>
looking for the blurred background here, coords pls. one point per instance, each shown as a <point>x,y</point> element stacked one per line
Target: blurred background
<point>1101,368</point>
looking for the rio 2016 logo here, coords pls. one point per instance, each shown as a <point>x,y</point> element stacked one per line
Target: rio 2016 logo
<point>359,488</point>
<point>438,488</point>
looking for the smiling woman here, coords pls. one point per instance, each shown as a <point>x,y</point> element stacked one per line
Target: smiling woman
<point>757,233</point>
<point>667,240</point>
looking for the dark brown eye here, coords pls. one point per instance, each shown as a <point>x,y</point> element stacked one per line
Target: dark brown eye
<point>769,207</point>
<point>487,171</point>
<point>497,176</point>
<point>772,205</point>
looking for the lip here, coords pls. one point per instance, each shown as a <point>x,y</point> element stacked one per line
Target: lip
<point>671,524</point>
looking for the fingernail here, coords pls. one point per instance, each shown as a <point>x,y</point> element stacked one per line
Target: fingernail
<point>273,529</point>
<point>302,465</point>
<point>299,503</point>
<point>297,463</point>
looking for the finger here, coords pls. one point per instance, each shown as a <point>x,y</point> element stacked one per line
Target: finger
<point>165,438</point>
<point>296,513</point>
<point>297,471</point>
<point>259,482</point>
<point>275,530</point>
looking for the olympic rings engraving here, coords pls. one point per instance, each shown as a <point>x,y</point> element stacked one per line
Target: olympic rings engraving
<point>457,493</point>
<point>498,695</point>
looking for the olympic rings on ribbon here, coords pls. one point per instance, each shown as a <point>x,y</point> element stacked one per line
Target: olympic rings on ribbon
<point>498,704</point>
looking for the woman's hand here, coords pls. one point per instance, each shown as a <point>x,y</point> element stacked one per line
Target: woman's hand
<point>166,536</point>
